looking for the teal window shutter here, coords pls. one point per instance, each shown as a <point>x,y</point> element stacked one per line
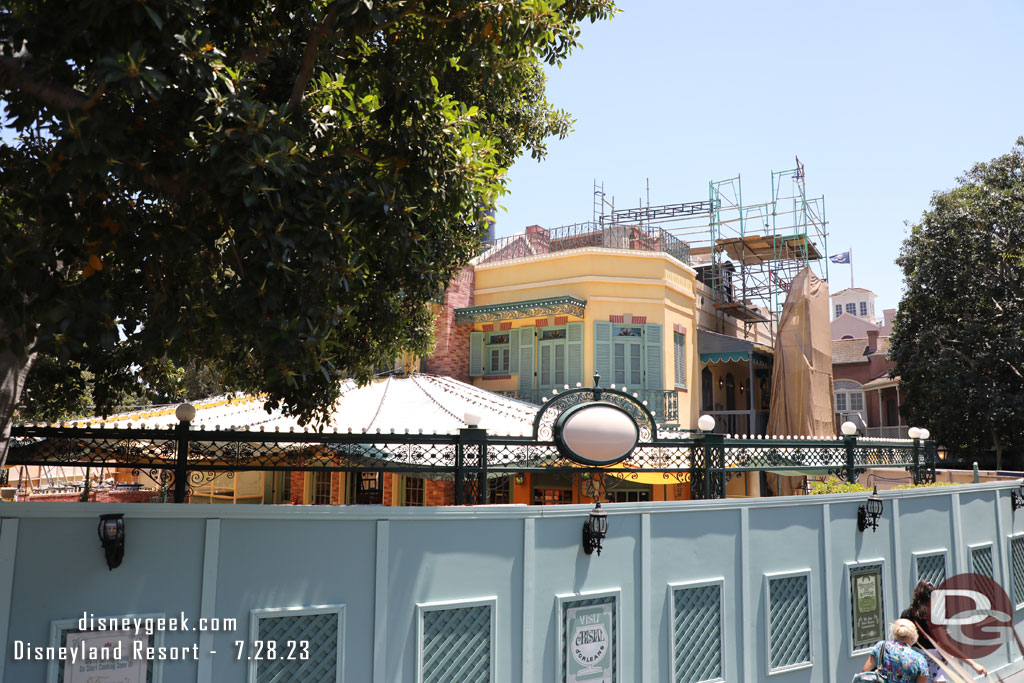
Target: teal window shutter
<point>513,342</point>
<point>526,354</point>
<point>603,351</point>
<point>679,341</point>
<point>652,347</point>
<point>574,353</point>
<point>476,354</point>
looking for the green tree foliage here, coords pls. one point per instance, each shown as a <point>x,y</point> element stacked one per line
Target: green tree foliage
<point>279,187</point>
<point>958,338</point>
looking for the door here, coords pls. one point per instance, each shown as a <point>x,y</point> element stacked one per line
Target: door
<point>551,359</point>
<point>627,356</point>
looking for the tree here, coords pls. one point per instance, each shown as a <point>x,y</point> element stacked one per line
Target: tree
<point>958,338</point>
<point>277,187</point>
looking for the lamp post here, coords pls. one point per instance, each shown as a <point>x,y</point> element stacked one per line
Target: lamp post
<point>185,412</point>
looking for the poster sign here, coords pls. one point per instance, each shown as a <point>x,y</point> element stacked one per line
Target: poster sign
<point>867,608</point>
<point>104,656</point>
<point>588,647</point>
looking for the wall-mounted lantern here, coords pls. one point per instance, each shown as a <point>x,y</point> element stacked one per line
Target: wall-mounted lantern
<point>1017,497</point>
<point>869,512</point>
<point>111,532</point>
<point>942,452</point>
<point>595,529</point>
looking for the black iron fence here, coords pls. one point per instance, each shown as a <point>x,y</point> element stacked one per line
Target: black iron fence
<point>179,458</point>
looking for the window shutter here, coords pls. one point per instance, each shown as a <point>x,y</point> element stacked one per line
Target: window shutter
<point>525,351</point>
<point>476,354</point>
<point>653,346</point>
<point>680,358</point>
<point>603,351</point>
<point>513,345</point>
<point>573,354</point>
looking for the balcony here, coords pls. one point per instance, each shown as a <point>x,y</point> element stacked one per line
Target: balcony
<point>890,432</point>
<point>739,421</point>
<point>537,241</point>
<point>665,404</point>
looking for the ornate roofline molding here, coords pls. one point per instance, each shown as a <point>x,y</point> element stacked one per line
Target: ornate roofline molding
<point>520,310</point>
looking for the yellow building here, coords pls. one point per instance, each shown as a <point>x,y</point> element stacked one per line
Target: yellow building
<point>552,309</point>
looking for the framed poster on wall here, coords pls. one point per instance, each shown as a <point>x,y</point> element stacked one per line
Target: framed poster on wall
<point>589,630</point>
<point>867,606</point>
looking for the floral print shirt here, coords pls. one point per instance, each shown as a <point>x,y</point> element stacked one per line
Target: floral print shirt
<point>898,662</point>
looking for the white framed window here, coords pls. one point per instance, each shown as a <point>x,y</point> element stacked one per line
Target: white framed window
<point>863,308</point>
<point>789,644</point>
<point>839,310</point>
<point>850,398</point>
<point>698,635</point>
<point>498,352</point>
<point>308,644</point>
<point>851,309</point>
<point>455,640</point>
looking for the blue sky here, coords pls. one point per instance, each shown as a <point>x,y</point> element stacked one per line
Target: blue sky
<point>884,103</point>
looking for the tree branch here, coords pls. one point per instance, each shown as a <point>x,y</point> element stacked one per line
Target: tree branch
<point>325,26</point>
<point>14,76</point>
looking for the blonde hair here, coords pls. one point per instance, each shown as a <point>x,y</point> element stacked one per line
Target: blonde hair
<point>904,631</point>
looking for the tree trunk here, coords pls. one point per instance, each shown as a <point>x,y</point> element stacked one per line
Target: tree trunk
<point>13,371</point>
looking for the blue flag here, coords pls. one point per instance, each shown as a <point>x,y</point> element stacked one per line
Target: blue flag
<point>840,258</point>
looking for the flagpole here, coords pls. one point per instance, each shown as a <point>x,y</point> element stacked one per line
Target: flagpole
<point>851,267</point>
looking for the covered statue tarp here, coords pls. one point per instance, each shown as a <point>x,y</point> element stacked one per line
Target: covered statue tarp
<point>802,401</point>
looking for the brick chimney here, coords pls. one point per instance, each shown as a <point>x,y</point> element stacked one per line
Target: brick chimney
<point>872,341</point>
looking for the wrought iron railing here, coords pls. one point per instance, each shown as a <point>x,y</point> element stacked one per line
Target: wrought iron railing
<point>536,241</point>
<point>664,404</point>
<point>180,458</point>
<point>738,422</point>
<point>890,432</point>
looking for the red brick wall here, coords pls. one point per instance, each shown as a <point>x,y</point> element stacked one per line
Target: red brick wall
<point>298,488</point>
<point>439,493</point>
<point>337,491</point>
<point>451,355</point>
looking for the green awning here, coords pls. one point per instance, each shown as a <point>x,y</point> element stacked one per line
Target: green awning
<point>721,348</point>
<point>521,310</point>
<point>724,357</point>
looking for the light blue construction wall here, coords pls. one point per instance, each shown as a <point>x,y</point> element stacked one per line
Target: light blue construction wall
<point>521,563</point>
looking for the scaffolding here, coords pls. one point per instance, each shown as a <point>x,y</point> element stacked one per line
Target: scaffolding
<point>747,254</point>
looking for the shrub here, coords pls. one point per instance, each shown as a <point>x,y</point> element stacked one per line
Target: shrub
<point>834,485</point>
<point>926,486</point>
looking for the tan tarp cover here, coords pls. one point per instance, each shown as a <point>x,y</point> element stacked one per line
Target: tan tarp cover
<point>802,400</point>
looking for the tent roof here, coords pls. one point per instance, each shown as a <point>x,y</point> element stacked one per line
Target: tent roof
<point>430,403</point>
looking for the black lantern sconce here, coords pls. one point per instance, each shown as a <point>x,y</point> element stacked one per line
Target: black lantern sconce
<point>869,512</point>
<point>111,531</point>
<point>942,452</point>
<point>595,529</point>
<point>1017,497</point>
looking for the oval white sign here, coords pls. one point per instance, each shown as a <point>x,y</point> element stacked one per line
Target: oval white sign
<point>598,434</point>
